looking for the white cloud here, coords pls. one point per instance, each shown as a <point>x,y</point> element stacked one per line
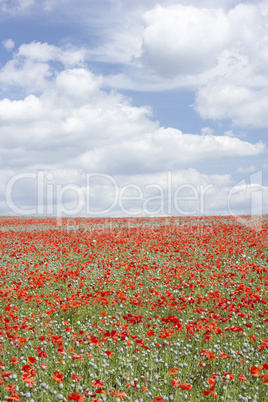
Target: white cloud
<point>244,106</point>
<point>226,49</point>
<point>30,67</point>
<point>8,44</point>
<point>102,131</point>
<point>24,74</point>
<point>183,40</point>
<point>218,50</point>
<point>66,123</point>
<point>43,52</point>
<point>185,192</point>
<point>191,40</point>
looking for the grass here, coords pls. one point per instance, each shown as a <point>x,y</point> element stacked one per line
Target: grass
<point>133,309</point>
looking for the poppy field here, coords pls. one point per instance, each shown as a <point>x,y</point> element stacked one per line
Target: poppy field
<point>133,309</point>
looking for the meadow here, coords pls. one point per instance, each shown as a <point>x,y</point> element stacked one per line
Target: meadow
<point>135,309</point>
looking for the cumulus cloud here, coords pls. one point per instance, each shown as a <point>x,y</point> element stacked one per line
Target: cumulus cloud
<point>225,52</point>
<point>72,127</point>
<point>99,130</point>
<point>183,40</point>
<point>8,44</point>
<point>218,50</point>
<point>31,67</point>
<point>192,39</point>
<point>246,107</point>
<point>43,52</point>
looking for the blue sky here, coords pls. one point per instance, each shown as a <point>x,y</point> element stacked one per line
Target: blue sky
<point>134,93</point>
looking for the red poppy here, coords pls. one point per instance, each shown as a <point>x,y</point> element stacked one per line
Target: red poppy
<point>252,337</point>
<point>98,383</point>
<point>255,370</point>
<point>14,360</point>
<point>265,379</point>
<point>242,377</point>
<point>32,360</point>
<point>173,370</point>
<point>43,366</point>
<point>230,377</point>
<point>13,397</point>
<point>118,394</point>
<point>76,356</point>
<point>57,377</point>
<point>11,387</point>
<point>75,396</point>
<point>184,385</point>
<point>214,394</point>
<point>5,374</point>
<point>175,383</point>
<point>210,355</point>
<point>76,377</point>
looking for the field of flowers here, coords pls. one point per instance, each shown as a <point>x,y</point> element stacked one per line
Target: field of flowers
<point>149,309</point>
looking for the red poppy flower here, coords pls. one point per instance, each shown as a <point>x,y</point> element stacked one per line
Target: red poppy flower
<point>75,396</point>
<point>230,377</point>
<point>265,379</point>
<point>43,366</point>
<point>11,387</point>
<point>57,377</point>
<point>98,383</point>
<point>213,394</point>
<point>76,377</point>
<point>173,370</point>
<point>255,370</point>
<point>118,394</point>
<point>76,356</point>
<point>14,360</point>
<point>32,360</point>
<point>5,374</point>
<point>184,385</point>
<point>175,383</point>
<point>242,377</point>
<point>210,355</point>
